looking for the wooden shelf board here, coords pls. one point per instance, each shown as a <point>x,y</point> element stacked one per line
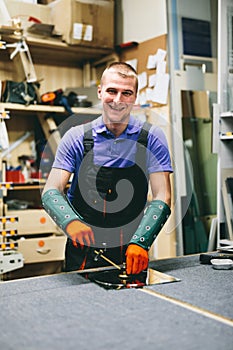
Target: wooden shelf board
<point>46,109</point>
<point>55,52</point>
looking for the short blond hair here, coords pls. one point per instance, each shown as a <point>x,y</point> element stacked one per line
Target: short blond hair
<point>123,69</point>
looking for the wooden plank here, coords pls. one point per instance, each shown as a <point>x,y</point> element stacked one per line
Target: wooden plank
<point>51,131</point>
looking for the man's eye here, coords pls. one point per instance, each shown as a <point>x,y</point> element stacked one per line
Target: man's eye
<point>111,91</point>
<point>127,93</point>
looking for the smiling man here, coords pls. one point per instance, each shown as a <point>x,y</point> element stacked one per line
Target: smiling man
<point>117,99</point>
<point>113,160</point>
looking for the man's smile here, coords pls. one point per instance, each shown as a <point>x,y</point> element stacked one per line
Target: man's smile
<point>118,108</point>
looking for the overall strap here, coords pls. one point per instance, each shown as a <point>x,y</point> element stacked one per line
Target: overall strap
<point>142,142</point>
<point>88,141</point>
<point>142,138</point>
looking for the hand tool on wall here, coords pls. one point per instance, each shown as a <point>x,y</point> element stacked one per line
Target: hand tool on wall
<point>22,49</point>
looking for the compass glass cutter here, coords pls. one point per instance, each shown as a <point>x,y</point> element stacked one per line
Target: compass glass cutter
<point>110,279</point>
<point>116,278</point>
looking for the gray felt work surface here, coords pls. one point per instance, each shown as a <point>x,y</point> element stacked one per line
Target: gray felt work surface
<point>65,311</point>
<point>200,285</point>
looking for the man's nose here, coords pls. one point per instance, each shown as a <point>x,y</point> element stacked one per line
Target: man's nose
<point>118,97</point>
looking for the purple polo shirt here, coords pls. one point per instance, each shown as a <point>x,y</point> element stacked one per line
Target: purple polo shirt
<point>110,151</point>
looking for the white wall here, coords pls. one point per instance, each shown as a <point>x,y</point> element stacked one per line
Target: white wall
<point>143,19</point>
<point>199,9</point>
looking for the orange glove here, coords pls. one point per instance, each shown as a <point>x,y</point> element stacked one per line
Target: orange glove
<point>80,234</point>
<point>136,259</point>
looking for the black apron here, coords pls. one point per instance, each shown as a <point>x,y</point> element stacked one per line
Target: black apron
<point>112,201</point>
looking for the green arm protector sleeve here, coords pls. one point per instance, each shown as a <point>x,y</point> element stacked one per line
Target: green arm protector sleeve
<point>59,209</point>
<point>156,214</point>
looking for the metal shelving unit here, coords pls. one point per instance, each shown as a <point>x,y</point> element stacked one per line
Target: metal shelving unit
<point>223,135</point>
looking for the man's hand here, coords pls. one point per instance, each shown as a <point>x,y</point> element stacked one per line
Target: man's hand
<point>80,234</point>
<point>136,259</point>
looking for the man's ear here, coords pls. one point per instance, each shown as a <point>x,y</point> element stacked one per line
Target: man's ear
<point>99,91</point>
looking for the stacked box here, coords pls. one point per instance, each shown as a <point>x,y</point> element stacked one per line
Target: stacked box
<point>84,22</point>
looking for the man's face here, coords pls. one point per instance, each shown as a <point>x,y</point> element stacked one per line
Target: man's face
<point>118,95</point>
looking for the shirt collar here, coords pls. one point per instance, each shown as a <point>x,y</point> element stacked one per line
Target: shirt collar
<point>132,128</point>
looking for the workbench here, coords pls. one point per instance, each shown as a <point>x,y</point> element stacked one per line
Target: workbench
<point>67,311</point>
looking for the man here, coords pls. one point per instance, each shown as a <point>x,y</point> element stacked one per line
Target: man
<point>111,162</point>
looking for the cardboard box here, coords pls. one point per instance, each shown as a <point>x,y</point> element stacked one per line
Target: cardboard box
<point>84,22</point>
